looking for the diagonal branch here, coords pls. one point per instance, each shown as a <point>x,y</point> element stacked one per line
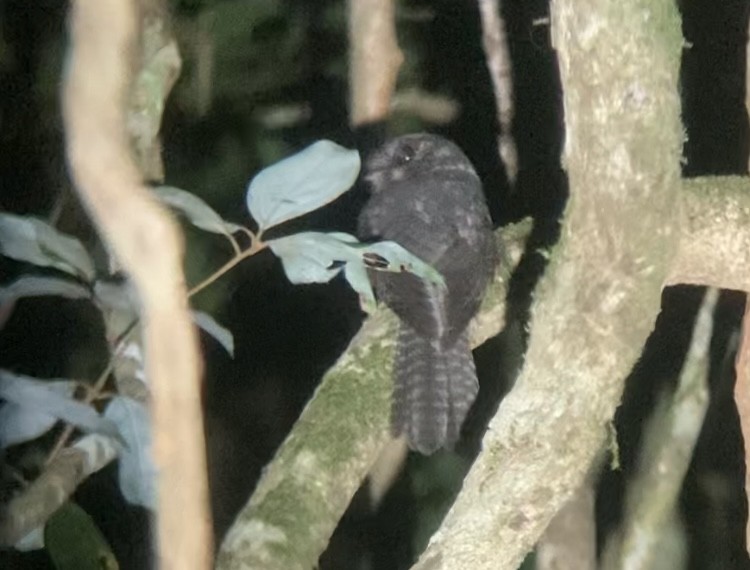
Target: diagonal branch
<point>307,487</point>
<point>39,501</point>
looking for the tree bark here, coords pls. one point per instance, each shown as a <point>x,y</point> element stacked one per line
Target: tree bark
<point>147,242</point>
<point>596,305</point>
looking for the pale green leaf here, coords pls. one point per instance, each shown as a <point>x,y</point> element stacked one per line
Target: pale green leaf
<point>39,396</point>
<point>301,183</point>
<point>200,214</point>
<point>313,257</point>
<point>31,240</point>
<point>40,286</point>
<point>74,542</point>
<point>137,473</point>
<point>219,333</point>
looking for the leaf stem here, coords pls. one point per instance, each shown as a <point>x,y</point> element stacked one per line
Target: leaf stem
<point>94,391</point>
<point>255,246</point>
<point>251,236</point>
<point>235,245</point>
<point>91,395</point>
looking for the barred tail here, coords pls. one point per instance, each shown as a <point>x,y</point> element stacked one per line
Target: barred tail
<point>433,390</point>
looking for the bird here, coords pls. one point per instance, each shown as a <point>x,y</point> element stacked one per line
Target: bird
<point>425,195</point>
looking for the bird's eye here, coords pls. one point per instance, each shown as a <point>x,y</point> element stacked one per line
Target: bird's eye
<point>405,154</point>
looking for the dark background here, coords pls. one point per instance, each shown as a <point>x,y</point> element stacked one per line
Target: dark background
<point>274,55</point>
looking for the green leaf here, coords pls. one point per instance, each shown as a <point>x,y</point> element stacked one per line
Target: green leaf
<point>119,307</point>
<point>41,397</point>
<point>390,256</point>
<point>75,543</point>
<point>20,423</point>
<point>34,286</point>
<point>31,240</point>
<point>137,470</point>
<point>356,275</point>
<point>200,214</point>
<point>219,333</point>
<point>313,257</point>
<point>301,183</point>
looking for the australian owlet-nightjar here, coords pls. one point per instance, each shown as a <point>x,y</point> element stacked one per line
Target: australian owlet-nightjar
<point>426,196</point>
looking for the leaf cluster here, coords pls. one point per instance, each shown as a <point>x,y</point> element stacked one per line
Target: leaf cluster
<point>118,409</point>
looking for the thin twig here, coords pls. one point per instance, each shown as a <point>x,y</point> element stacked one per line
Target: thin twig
<point>252,250</point>
<point>251,236</point>
<point>94,392</point>
<point>91,395</point>
<point>235,246</point>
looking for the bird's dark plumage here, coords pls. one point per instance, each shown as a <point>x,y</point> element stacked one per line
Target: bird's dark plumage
<point>426,196</point>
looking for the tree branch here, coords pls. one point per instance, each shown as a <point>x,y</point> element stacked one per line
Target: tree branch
<point>374,59</point>
<point>714,233</point>
<point>148,244</point>
<point>597,303</point>
<point>307,487</point>
<point>54,486</point>
<point>285,496</point>
<point>742,401</point>
<point>670,438</point>
<point>497,53</point>
<point>570,539</point>
<point>270,522</point>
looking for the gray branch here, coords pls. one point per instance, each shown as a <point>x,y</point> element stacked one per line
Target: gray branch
<point>291,516</point>
<point>670,436</point>
<point>714,246</point>
<point>39,501</point>
<point>309,484</point>
<point>596,305</point>
<point>570,539</point>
